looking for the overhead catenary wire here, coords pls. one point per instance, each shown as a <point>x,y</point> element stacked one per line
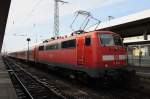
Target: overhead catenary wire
<point>26,17</point>
<point>25,20</point>
<point>19,21</point>
<point>33,9</point>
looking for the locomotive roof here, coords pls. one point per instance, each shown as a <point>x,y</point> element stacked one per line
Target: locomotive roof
<point>73,37</point>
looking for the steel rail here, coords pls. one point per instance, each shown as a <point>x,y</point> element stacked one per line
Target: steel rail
<point>24,88</point>
<point>11,69</point>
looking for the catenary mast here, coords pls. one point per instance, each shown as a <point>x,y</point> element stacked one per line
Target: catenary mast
<point>56,16</point>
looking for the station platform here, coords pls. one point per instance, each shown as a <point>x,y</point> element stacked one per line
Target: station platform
<point>7,90</point>
<point>142,71</point>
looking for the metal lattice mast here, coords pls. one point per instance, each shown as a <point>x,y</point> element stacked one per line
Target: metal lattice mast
<point>56,17</point>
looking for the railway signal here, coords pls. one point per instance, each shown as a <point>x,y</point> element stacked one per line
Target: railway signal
<point>28,40</point>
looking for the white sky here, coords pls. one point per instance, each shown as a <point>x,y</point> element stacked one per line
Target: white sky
<point>27,16</point>
<point>34,18</point>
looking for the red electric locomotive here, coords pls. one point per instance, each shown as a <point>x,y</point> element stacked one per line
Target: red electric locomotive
<point>96,54</point>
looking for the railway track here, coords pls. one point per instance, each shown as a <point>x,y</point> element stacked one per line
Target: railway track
<point>83,92</point>
<point>57,86</point>
<point>28,87</point>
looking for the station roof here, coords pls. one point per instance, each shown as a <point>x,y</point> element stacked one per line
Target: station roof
<point>131,25</point>
<point>4,9</point>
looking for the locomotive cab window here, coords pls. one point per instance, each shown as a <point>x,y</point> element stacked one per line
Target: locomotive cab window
<point>118,41</point>
<point>88,41</point>
<point>41,48</point>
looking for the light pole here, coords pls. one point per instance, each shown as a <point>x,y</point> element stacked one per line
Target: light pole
<point>28,40</point>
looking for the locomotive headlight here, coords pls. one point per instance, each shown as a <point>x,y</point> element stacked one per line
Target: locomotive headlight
<point>108,57</point>
<point>122,57</point>
<point>106,65</point>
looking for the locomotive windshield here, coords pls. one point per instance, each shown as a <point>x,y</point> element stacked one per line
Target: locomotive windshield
<point>110,40</point>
